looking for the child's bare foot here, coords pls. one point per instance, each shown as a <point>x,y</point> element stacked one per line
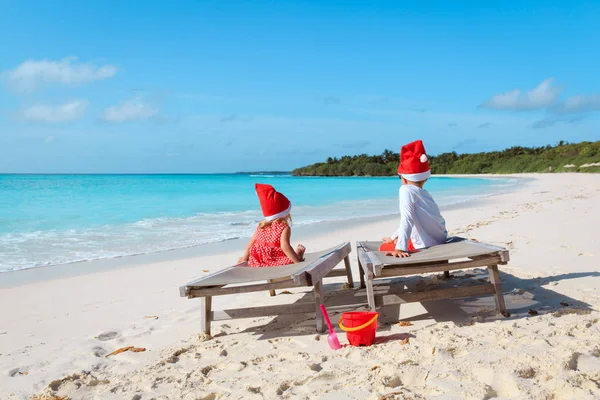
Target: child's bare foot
<point>300,251</point>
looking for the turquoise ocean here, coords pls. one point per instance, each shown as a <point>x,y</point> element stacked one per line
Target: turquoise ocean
<point>56,219</point>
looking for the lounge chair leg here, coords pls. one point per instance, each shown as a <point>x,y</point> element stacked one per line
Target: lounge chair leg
<point>370,293</point>
<point>349,272</point>
<point>205,312</point>
<point>272,291</point>
<point>361,273</point>
<point>495,280</point>
<point>446,274</point>
<point>318,291</point>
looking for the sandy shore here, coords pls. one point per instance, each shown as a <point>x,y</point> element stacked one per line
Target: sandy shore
<point>55,333</point>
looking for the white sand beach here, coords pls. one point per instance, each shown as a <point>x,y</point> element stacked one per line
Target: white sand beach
<point>56,332</point>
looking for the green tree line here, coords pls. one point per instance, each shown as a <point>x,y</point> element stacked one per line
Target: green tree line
<point>563,157</point>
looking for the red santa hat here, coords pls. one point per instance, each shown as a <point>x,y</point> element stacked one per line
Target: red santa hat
<point>274,204</point>
<point>413,162</point>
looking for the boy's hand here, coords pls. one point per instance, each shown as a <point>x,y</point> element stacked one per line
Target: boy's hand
<point>242,259</point>
<point>387,240</point>
<point>398,254</point>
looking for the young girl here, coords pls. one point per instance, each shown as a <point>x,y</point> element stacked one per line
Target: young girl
<point>270,245</point>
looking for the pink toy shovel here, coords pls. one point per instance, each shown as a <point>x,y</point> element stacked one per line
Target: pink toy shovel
<point>332,338</point>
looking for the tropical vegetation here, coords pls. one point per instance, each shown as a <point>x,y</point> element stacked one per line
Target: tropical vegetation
<point>562,157</point>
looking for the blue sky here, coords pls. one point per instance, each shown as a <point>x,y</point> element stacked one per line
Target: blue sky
<point>223,86</point>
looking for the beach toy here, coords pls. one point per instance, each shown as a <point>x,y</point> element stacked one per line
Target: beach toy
<point>332,338</point>
<point>360,327</point>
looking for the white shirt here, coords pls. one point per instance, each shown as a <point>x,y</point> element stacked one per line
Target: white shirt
<point>420,219</point>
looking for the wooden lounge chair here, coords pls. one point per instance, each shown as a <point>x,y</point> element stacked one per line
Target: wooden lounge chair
<point>457,253</point>
<point>243,279</point>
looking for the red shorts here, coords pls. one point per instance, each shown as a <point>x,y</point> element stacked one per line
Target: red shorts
<point>392,246</point>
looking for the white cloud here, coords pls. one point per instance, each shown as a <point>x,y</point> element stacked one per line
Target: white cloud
<point>32,74</point>
<point>130,110</point>
<point>578,104</point>
<point>542,96</point>
<point>54,114</point>
<point>554,120</point>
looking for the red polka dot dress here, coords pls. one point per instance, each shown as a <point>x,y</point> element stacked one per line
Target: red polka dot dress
<point>266,250</point>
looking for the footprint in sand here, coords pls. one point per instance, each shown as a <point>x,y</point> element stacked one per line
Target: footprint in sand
<point>282,388</point>
<point>206,370</point>
<point>173,358</point>
<point>315,367</point>
<point>107,335</point>
<point>572,362</point>
<point>98,351</point>
<point>391,381</point>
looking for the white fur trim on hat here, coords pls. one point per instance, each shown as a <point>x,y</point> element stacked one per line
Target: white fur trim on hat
<point>279,215</point>
<point>423,158</point>
<point>421,176</point>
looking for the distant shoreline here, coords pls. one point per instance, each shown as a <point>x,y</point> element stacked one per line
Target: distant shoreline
<point>562,157</point>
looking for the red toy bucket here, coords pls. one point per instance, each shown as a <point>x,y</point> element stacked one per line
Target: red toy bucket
<point>360,327</point>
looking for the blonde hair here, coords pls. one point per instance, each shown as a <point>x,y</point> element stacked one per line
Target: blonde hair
<point>287,220</point>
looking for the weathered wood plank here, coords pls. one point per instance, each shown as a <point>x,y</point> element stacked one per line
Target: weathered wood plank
<point>305,275</point>
<point>280,309</point>
<point>439,294</point>
<point>319,319</point>
<point>365,259</point>
<point>336,272</point>
<point>505,257</point>
<point>370,293</point>
<point>220,291</point>
<point>183,291</point>
<point>400,270</point>
<point>326,263</point>
<point>361,272</point>
<point>206,314</point>
<point>192,296</point>
<point>497,284</point>
<point>374,261</point>
<point>349,272</point>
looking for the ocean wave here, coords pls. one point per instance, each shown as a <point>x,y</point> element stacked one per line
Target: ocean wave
<point>19,259</point>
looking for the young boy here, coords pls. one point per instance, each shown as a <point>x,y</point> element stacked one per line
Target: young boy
<point>421,224</point>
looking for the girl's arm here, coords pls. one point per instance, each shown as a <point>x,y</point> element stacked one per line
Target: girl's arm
<point>287,247</point>
<point>247,249</point>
